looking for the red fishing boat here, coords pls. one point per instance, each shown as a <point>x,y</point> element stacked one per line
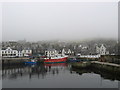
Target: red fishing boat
<point>58,59</point>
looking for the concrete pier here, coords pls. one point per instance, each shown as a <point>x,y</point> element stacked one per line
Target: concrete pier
<point>106,63</point>
<point>13,60</point>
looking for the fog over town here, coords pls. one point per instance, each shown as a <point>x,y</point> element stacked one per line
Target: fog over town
<point>79,27</point>
<point>59,21</point>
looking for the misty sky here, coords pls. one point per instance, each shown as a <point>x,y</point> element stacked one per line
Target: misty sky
<point>62,20</point>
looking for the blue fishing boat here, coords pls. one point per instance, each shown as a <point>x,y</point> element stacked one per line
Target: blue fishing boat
<point>73,60</point>
<point>31,61</point>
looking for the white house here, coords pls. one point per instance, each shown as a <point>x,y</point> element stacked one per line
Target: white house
<point>9,52</point>
<point>67,52</point>
<point>14,53</point>
<point>101,50</point>
<point>26,52</point>
<point>51,53</point>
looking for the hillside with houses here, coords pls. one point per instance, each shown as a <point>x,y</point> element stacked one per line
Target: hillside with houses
<point>24,48</point>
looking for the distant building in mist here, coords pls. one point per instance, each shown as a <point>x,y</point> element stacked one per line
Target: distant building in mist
<point>22,41</point>
<point>101,50</point>
<point>9,52</point>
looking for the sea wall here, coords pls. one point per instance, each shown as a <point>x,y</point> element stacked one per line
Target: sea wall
<point>101,67</point>
<point>110,58</point>
<point>107,72</point>
<point>8,61</point>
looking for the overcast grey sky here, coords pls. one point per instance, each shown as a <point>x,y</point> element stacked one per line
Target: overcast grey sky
<point>61,20</point>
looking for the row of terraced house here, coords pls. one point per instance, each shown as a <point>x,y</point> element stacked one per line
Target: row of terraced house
<point>9,52</point>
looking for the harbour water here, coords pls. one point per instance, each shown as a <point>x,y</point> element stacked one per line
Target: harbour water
<point>59,75</point>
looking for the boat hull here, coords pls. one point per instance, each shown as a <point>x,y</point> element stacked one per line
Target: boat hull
<point>74,60</point>
<point>59,60</point>
<point>30,62</point>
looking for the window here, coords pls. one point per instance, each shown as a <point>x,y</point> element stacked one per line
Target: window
<point>2,51</point>
<point>29,51</point>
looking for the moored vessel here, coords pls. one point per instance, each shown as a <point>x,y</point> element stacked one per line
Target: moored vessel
<point>31,61</point>
<point>57,59</point>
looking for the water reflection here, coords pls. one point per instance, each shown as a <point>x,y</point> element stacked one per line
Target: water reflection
<point>12,72</point>
<point>55,72</point>
<point>106,75</point>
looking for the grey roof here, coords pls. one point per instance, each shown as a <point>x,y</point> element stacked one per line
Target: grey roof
<point>26,48</point>
<point>50,49</point>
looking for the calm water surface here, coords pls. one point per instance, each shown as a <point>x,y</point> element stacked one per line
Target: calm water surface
<point>60,75</point>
